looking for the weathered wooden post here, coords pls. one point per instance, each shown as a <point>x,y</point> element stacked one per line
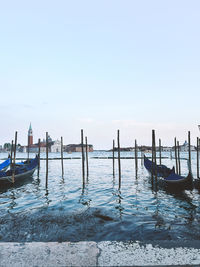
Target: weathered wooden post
<point>152,157</point>
<point>197,157</point>
<point>62,156</point>
<point>87,164</point>
<point>119,162</point>
<point>83,157</point>
<point>28,150</point>
<point>13,169</point>
<point>189,150</point>
<point>154,167</point>
<point>175,151</point>
<point>113,156</point>
<point>142,157</point>
<point>38,156</point>
<point>11,154</point>
<point>179,161</point>
<point>160,155</point>
<point>136,159</point>
<point>155,160</point>
<point>47,155</point>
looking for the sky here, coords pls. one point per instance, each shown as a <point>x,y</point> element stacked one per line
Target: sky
<point>100,66</point>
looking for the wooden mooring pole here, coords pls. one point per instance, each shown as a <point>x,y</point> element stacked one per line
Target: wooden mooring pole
<point>11,156</point>
<point>62,156</point>
<point>113,156</point>
<point>175,153</point>
<point>136,159</point>
<point>197,157</point>
<point>119,161</point>
<point>179,161</point>
<point>189,150</point>
<point>47,155</point>
<point>154,167</point>
<point>83,157</point>
<point>28,150</point>
<point>152,157</point>
<point>38,156</point>
<point>160,153</point>
<point>86,153</point>
<point>142,157</point>
<point>15,148</point>
<point>155,160</point>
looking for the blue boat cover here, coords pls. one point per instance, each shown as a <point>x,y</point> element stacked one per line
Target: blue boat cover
<point>161,170</point>
<point>5,164</point>
<point>21,169</point>
<point>175,177</point>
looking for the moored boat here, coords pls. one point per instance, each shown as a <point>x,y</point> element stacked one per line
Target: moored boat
<point>20,172</point>
<point>159,170</point>
<point>167,176</point>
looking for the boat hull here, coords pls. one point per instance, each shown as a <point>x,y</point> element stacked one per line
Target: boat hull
<point>18,177</point>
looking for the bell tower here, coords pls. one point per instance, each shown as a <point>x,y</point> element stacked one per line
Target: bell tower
<point>30,136</point>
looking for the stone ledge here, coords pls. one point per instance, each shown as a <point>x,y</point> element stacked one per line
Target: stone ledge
<point>104,253</point>
<point>48,254</point>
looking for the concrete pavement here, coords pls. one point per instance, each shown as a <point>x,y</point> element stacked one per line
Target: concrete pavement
<point>104,253</point>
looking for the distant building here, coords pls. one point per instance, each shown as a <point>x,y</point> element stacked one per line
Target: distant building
<point>185,147</point>
<point>30,136</point>
<point>166,149</point>
<point>34,148</point>
<point>77,148</point>
<point>56,146</point>
<point>53,146</point>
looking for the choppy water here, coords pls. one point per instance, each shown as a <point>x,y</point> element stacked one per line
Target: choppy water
<point>69,211</point>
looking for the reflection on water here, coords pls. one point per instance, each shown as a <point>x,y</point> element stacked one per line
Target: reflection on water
<point>98,209</point>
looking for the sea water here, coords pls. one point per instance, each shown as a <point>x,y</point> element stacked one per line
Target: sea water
<point>70,210</point>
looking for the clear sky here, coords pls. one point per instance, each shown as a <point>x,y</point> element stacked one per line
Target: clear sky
<point>101,66</point>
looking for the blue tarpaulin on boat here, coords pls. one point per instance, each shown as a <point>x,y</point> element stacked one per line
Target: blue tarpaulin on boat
<point>174,177</point>
<point>5,164</point>
<point>22,168</point>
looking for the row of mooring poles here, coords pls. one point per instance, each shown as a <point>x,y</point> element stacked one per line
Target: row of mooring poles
<point>62,165</point>
<point>177,156</point>
<point>154,161</point>
<point>84,153</point>
<point>47,154</point>
<point>136,156</point>
<point>175,153</point>
<point>83,157</point>
<point>119,157</point>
